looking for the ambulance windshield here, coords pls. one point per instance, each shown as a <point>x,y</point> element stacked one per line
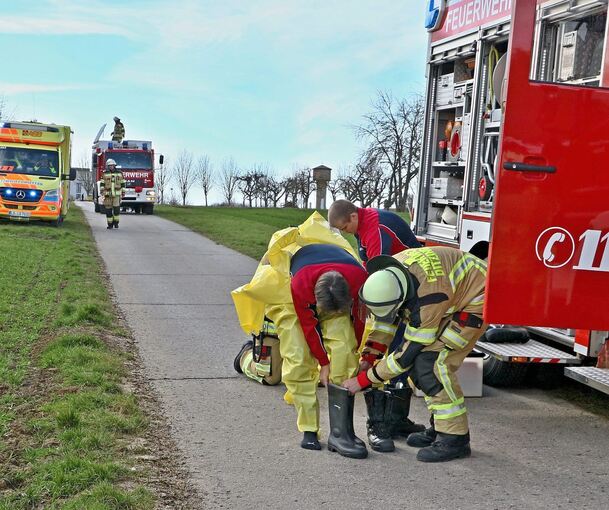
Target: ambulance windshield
<point>17,160</point>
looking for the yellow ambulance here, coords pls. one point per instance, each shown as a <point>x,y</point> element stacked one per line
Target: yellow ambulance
<point>35,171</point>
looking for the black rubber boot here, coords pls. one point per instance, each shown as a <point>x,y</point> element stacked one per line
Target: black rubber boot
<point>424,438</point>
<point>397,411</point>
<point>116,224</point>
<point>357,440</point>
<point>446,447</point>
<point>379,437</point>
<point>109,226</point>
<point>310,442</point>
<point>342,438</point>
<point>237,362</point>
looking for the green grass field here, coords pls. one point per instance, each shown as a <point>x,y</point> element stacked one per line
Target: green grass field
<point>246,230</point>
<point>64,417</point>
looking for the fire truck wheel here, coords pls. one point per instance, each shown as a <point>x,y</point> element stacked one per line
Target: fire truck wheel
<point>58,222</point>
<point>149,208</point>
<point>501,373</point>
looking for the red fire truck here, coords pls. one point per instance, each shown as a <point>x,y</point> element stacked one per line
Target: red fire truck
<point>514,152</point>
<point>135,159</point>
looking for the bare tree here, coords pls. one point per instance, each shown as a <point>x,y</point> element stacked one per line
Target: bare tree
<point>205,175</point>
<point>334,188</point>
<point>184,173</point>
<point>249,185</point>
<point>229,179</point>
<point>305,185</point>
<point>162,179</point>
<point>87,178</point>
<point>5,112</point>
<point>274,189</point>
<point>393,132</point>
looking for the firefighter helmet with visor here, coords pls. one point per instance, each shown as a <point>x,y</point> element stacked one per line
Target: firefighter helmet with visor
<point>386,289</point>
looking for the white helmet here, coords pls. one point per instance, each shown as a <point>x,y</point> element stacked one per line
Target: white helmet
<point>110,162</point>
<point>386,288</point>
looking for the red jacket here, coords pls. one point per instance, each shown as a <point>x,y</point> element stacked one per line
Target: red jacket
<point>381,232</point>
<point>307,265</point>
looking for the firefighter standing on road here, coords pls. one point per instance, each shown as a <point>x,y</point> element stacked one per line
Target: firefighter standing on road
<point>119,131</point>
<point>112,188</point>
<point>380,232</point>
<point>439,293</point>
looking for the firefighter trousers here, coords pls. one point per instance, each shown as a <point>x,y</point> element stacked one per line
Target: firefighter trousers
<point>300,370</point>
<point>113,209</point>
<point>434,372</point>
<point>266,368</point>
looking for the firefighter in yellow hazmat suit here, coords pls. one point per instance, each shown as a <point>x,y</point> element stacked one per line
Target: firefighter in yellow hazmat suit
<point>307,285</point>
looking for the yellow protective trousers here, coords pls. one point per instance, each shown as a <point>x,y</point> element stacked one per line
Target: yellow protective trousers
<point>300,370</point>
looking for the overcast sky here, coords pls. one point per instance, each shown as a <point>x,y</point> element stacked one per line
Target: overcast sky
<point>264,81</point>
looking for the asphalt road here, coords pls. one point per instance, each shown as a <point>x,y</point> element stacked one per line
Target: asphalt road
<point>240,440</point>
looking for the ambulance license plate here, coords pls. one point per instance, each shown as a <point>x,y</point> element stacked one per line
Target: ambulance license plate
<point>19,214</point>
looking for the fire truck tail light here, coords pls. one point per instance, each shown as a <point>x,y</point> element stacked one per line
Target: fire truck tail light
<point>139,189</point>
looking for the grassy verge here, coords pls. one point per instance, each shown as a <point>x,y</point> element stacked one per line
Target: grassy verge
<point>245,230</point>
<point>65,419</point>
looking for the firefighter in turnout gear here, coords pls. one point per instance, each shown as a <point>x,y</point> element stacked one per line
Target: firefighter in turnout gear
<point>112,188</point>
<point>439,293</point>
<point>119,131</point>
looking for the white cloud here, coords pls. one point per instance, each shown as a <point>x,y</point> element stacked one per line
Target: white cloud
<point>10,89</point>
<point>54,26</point>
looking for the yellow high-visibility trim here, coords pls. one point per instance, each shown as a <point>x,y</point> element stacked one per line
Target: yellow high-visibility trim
<point>245,366</point>
<point>263,369</point>
<point>447,406</point>
<point>384,328</point>
<point>444,379</point>
<point>393,366</point>
<point>453,339</point>
<point>478,300</point>
<point>463,266</point>
<point>425,336</point>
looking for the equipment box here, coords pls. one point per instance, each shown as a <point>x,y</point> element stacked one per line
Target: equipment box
<point>445,93</point>
<point>470,376</point>
<point>446,187</point>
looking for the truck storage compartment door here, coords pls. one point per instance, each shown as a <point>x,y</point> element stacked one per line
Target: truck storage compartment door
<point>549,258</point>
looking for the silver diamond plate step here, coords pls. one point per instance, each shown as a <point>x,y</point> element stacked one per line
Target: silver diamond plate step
<point>597,378</point>
<point>529,352</point>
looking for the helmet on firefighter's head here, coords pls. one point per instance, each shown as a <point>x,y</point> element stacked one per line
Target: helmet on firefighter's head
<point>387,287</point>
<point>110,163</point>
<point>116,119</point>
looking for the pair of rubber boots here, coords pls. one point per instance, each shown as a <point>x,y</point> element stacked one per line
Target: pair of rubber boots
<point>388,412</point>
<point>438,446</point>
<point>113,224</point>
<point>342,438</point>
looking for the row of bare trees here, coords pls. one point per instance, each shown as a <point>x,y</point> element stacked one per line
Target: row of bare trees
<point>384,175</point>
<point>257,185</point>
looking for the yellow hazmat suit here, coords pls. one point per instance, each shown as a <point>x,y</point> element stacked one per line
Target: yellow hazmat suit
<point>268,293</point>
